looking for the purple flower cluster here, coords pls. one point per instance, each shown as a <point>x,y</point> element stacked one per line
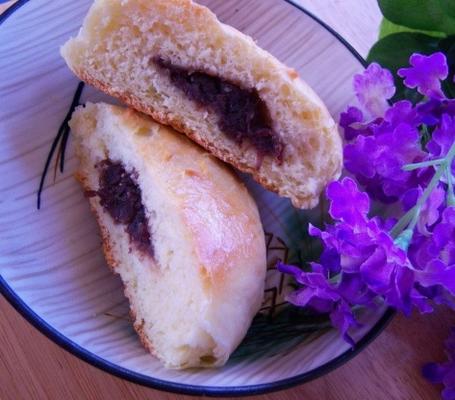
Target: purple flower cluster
<point>444,373</point>
<point>392,137</point>
<point>402,153</point>
<point>432,253</point>
<point>360,263</point>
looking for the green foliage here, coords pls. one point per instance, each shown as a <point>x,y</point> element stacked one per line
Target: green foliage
<point>387,27</point>
<point>447,46</point>
<point>267,337</point>
<point>429,15</point>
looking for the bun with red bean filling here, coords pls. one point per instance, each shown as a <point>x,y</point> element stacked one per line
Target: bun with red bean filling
<point>173,60</point>
<point>180,229</point>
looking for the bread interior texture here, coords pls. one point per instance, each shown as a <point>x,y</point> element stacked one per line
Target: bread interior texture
<point>117,50</point>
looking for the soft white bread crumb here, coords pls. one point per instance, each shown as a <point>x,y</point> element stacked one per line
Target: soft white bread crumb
<point>193,301</point>
<point>114,52</point>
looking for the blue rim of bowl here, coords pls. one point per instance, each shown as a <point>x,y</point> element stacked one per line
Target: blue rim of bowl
<point>145,380</point>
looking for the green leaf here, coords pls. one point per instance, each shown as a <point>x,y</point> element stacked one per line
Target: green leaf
<point>428,15</point>
<point>393,52</point>
<point>447,46</point>
<point>387,27</point>
<point>449,5</point>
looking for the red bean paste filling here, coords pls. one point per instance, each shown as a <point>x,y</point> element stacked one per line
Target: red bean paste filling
<point>242,115</point>
<point>120,196</point>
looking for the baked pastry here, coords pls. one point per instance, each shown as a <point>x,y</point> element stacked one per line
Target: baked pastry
<point>173,60</point>
<point>181,230</point>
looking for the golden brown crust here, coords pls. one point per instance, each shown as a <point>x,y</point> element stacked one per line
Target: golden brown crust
<point>139,328</point>
<point>181,127</point>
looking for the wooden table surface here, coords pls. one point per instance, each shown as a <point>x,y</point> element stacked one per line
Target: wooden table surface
<point>33,367</point>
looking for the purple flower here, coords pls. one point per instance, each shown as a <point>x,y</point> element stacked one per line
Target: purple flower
<point>430,112</point>
<point>436,272</point>
<point>317,291</point>
<point>354,209</point>
<point>436,294</point>
<point>444,373</point>
<point>409,262</point>
<point>360,261</point>
<point>401,112</point>
<point>444,235</point>
<point>426,73</point>
<point>396,148</point>
<point>433,257</point>
<point>442,139</point>
<point>373,88</point>
<point>352,123</point>
<point>438,244</point>
<point>377,161</point>
<point>431,210</point>
<point>378,149</point>
<point>368,265</point>
<point>318,294</point>
<point>343,319</point>
<point>366,250</point>
<point>354,159</point>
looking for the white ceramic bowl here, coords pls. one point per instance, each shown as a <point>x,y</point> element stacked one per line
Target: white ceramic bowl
<point>52,268</point>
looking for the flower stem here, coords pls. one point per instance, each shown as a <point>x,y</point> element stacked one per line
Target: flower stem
<point>415,219</point>
<point>404,239</point>
<point>409,220</point>
<point>450,195</point>
<point>423,164</point>
<point>402,223</point>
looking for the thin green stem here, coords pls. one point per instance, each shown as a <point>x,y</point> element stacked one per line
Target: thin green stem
<point>450,155</point>
<point>404,239</point>
<point>423,164</point>
<point>410,219</point>
<point>402,223</point>
<point>415,219</point>
<point>431,186</point>
<point>450,195</point>
<point>436,177</point>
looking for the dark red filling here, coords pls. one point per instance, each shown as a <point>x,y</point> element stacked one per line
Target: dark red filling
<point>242,115</point>
<point>120,196</point>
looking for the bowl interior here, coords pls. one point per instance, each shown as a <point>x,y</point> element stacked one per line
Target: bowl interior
<point>51,262</point>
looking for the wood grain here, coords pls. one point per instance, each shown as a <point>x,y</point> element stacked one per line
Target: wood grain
<point>35,368</point>
<point>32,367</point>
